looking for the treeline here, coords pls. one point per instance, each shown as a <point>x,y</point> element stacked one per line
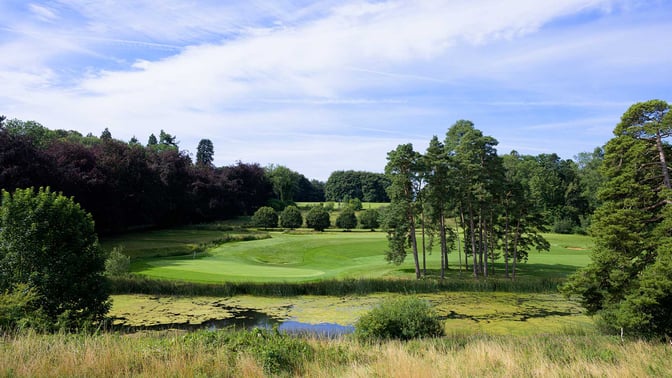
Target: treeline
<point>343,186</point>
<point>129,185</point>
<point>499,204</point>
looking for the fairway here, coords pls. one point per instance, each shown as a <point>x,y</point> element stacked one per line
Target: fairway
<point>283,257</point>
<point>287,257</point>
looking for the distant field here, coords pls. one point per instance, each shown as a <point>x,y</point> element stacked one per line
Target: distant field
<point>338,205</point>
<point>311,256</point>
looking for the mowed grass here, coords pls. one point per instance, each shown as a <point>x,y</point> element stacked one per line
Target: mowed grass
<point>315,256</point>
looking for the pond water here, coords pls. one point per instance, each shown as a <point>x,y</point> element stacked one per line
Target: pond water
<point>244,318</point>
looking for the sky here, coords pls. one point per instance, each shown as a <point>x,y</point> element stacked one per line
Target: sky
<point>334,85</point>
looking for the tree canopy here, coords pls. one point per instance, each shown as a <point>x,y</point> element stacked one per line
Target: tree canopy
<point>48,243</point>
<point>628,283</point>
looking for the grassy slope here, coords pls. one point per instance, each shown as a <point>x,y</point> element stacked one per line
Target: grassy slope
<point>317,256</point>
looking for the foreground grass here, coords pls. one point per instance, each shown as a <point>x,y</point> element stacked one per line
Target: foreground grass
<point>227,354</point>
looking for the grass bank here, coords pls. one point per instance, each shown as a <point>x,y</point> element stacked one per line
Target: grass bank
<point>250,354</point>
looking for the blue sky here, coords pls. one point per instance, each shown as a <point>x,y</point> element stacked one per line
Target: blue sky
<point>334,85</point>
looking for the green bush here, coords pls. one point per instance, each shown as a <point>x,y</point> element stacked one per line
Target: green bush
<point>265,217</point>
<point>401,318</point>
<point>117,263</point>
<point>369,219</point>
<point>318,218</point>
<point>346,219</point>
<point>291,218</point>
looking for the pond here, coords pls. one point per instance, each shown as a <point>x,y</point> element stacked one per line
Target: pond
<point>246,318</point>
<point>461,312</point>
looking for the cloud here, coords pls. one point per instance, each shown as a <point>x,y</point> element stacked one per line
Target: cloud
<point>286,81</point>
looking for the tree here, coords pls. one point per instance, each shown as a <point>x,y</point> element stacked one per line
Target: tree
<point>106,135</point>
<point>205,153</point>
<point>318,218</point>
<point>402,170</point>
<point>291,218</point>
<point>650,121</point>
<point>346,219</point>
<point>369,219</point>
<point>285,182</point>
<point>628,283</point>
<point>152,141</point>
<point>265,217</point>
<point>48,243</point>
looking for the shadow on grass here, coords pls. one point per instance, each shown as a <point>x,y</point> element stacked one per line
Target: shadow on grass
<point>522,270</point>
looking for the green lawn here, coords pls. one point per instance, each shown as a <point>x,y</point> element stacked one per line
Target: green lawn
<point>315,256</point>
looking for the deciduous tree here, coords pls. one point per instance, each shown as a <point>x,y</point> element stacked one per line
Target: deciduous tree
<point>48,243</point>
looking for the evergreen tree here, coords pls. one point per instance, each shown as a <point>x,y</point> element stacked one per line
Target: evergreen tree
<point>629,280</point>
<point>205,153</point>
<point>402,170</point>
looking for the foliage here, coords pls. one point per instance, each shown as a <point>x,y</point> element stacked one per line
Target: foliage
<point>291,218</point>
<point>318,218</point>
<point>265,217</point>
<point>48,243</point>
<point>346,219</point>
<point>125,185</point>
<point>19,309</point>
<point>402,318</point>
<point>355,204</point>
<point>117,263</point>
<point>365,186</point>
<point>205,153</point>
<point>628,284</point>
<point>369,219</point>
<point>285,181</point>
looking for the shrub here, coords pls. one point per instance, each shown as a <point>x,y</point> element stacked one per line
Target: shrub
<point>401,318</point>
<point>369,219</point>
<point>346,219</point>
<point>291,218</point>
<point>265,217</point>
<point>355,204</point>
<point>318,218</point>
<point>117,263</point>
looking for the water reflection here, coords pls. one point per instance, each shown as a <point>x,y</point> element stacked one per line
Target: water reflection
<point>245,318</point>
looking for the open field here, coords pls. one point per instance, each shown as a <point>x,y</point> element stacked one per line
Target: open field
<point>312,256</point>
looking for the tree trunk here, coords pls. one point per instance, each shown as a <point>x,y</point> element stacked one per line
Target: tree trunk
<point>473,241</point>
<point>424,247</point>
<point>414,246</point>
<point>459,249</point>
<point>506,245</point>
<point>663,161</point>
<point>515,249</point>
<point>444,252</point>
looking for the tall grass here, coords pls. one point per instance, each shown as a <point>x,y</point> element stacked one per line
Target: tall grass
<point>232,354</point>
<point>144,285</point>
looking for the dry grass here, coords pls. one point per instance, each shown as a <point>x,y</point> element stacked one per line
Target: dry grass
<point>168,354</point>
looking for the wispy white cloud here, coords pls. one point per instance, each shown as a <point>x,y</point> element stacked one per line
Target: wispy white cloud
<point>293,80</point>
